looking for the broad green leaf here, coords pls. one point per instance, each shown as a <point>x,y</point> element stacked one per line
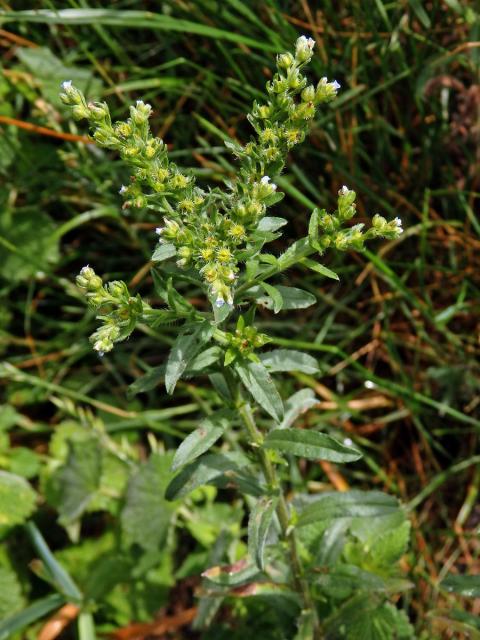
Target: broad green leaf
<point>258,382</point>
<point>289,360</point>
<point>258,527</point>
<point>275,295</point>
<point>163,252</point>
<point>11,598</point>
<point>348,504</point>
<point>271,223</point>
<point>467,586</point>
<point>146,515</point>
<point>200,440</point>
<point>311,445</point>
<point>184,349</point>
<point>79,479</point>
<point>293,298</point>
<point>319,268</point>
<point>298,404</point>
<point>294,253</point>
<point>205,470</point>
<point>37,610</point>
<point>17,499</point>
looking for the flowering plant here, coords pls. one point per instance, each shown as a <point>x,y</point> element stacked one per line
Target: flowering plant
<point>217,239</point>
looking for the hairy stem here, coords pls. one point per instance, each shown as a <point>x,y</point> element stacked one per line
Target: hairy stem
<point>288,532</point>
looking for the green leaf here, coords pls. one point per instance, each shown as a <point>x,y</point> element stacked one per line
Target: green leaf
<point>233,574</point>
<point>184,349</point>
<point>289,360</point>
<point>17,499</point>
<point>271,224</point>
<point>348,504</point>
<point>313,230</point>
<point>258,382</point>
<point>296,405</point>
<point>274,198</point>
<point>467,586</point>
<point>11,599</point>
<point>164,252</point>
<point>205,470</point>
<point>200,440</point>
<point>79,479</point>
<point>293,254</point>
<point>311,445</point>
<point>319,268</point>
<point>293,298</point>
<point>259,526</point>
<point>275,295</point>
<point>38,609</point>
<point>146,515</point>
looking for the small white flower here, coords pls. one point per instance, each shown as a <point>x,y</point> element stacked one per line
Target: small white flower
<point>343,191</point>
<point>231,276</point>
<point>265,180</point>
<point>122,189</point>
<point>159,230</point>
<point>67,85</point>
<point>304,41</point>
<point>219,302</point>
<point>398,224</point>
<point>336,85</point>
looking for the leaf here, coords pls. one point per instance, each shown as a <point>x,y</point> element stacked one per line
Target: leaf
<point>17,499</point>
<point>289,360</point>
<point>293,254</point>
<point>274,198</point>
<point>146,515</point>
<point>298,404</point>
<point>271,223</point>
<point>311,445</point>
<point>49,71</point>
<point>319,268</point>
<point>11,599</point>
<point>232,574</point>
<point>205,470</point>
<point>258,527</point>
<point>275,295</point>
<point>184,349</point>
<point>348,504</point>
<point>293,298</point>
<point>164,252</point>
<point>258,382</point>
<point>38,609</point>
<point>313,230</point>
<point>79,479</point>
<point>200,440</point>
<point>467,586</point>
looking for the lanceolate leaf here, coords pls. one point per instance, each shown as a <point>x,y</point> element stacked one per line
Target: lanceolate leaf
<point>468,586</point>
<point>205,470</point>
<point>258,382</point>
<point>258,527</point>
<point>275,295</point>
<point>296,405</point>
<point>311,445</point>
<point>184,349</point>
<point>289,360</point>
<point>293,298</point>
<point>200,440</point>
<point>319,268</point>
<point>271,223</point>
<point>163,252</point>
<point>348,504</point>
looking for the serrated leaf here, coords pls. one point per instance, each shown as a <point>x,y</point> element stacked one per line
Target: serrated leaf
<point>184,349</point>
<point>258,382</point>
<point>164,252</point>
<point>271,223</point>
<point>467,586</point>
<point>348,504</point>
<point>258,527</point>
<point>274,294</point>
<point>200,440</point>
<point>299,403</point>
<point>146,515</point>
<point>289,360</point>
<point>17,499</point>
<point>11,598</point>
<point>319,268</point>
<point>311,445</point>
<point>79,479</point>
<point>205,470</point>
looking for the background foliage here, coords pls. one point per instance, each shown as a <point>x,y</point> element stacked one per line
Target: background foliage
<point>397,338</point>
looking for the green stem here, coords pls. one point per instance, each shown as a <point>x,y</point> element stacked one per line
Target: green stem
<point>288,532</point>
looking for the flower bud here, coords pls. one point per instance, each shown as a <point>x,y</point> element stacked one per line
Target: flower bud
<point>308,94</point>
<point>285,61</point>
<point>326,91</point>
<point>304,49</point>
<point>71,95</point>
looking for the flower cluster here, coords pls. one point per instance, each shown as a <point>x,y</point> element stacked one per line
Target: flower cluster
<point>209,232</point>
<point>124,312</point>
<point>332,233</point>
<point>243,342</point>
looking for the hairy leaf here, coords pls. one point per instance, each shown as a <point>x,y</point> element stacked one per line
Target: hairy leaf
<point>258,382</point>
<point>348,504</point>
<point>17,499</point>
<point>200,440</point>
<point>289,360</point>
<point>184,349</point>
<point>259,526</point>
<point>311,445</point>
<point>296,405</point>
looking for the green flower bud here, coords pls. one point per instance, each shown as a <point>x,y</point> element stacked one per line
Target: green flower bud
<point>285,61</point>
<point>304,49</point>
<point>308,94</point>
